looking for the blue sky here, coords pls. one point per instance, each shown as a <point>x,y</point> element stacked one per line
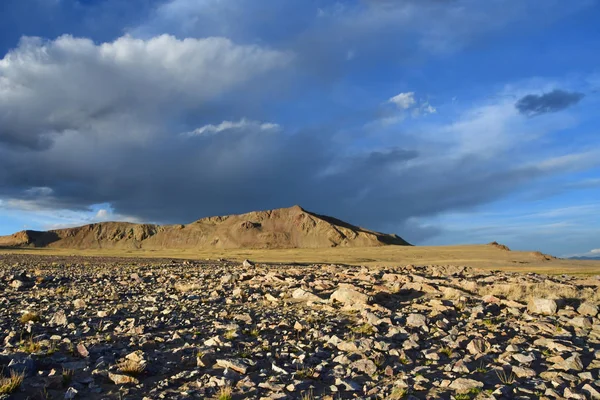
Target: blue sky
<point>443,121</point>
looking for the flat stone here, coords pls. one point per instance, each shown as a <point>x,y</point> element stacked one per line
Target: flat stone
<point>588,309</point>
<point>234,365</point>
<point>364,365</point>
<point>120,379</point>
<point>478,346</point>
<point>301,294</point>
<point>581,322</point>
<point>591,391</point>
<point>416,320</point>
<point>522,372</point>
<point>464,385</point>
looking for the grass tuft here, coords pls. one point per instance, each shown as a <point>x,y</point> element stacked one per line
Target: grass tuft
<point>67,377</point>
<point>132,368</point>
<point>12,383</point>
<point>305,373</point>
<point>507,379</point>
<point>398,393</point>
<point>307,395</point>
<point>447,351</point>
<point>225,393</point>
<point>30,346</point>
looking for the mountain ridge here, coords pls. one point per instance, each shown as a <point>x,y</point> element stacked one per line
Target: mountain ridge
<point>281,228</point>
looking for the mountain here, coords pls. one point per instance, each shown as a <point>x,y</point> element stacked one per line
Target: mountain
<point>585,258</point>
<point>278,229</point>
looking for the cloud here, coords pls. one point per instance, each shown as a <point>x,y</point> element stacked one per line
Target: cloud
<point>595,251</point>
<point>86,122</point>
<point>49,88</point>
<point>404,101</point>
<point>177,178</point>
<point>227,125</point>
<point>557,100</point>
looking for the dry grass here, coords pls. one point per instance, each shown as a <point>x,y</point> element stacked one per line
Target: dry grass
<point>132,368</point>
<point>12,383</point>
<point>225,393</point>
<point>480,256</point>
<point>30,346</point>
<point>307,395</point>
<point>549,290</point>
<point>398,393</point>
<point>506,379</point>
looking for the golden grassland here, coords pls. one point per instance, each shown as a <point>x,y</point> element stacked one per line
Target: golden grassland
<point>480,256</point>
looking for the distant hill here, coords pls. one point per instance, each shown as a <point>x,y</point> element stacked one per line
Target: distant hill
<point>277,229</point>
<point>585,258</point>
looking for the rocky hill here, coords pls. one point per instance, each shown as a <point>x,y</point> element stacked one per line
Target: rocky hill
<point>278,229</point>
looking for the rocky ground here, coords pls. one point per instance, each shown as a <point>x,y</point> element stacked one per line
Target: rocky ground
<point>96,328</point>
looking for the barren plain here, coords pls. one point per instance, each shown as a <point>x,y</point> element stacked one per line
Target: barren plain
<point>150,328</point>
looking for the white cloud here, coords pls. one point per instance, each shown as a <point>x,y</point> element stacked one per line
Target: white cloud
<point>102,214</point>
<point>595,251</point>
<point>53,87</point>
<point>404,101</point>
<point>227,125</point>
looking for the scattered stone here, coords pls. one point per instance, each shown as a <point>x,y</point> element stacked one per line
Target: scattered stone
<point>300,294</point>
<point>119,379</point>
<point>188,329</point>
<point>235,365</point>
<point>478,346</point>
<point>542,306</point>
<point>464,385</point>
<point>349,295</point>
<point>588,309</point>
<point>416,320</point>
<point>59,318</point>
<point>82,350</point>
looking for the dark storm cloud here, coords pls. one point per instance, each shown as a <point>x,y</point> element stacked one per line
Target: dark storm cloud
<point>239,171</point>
<point>554,101</point>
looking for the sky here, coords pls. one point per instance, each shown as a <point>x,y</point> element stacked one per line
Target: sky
<point>444,121</point>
